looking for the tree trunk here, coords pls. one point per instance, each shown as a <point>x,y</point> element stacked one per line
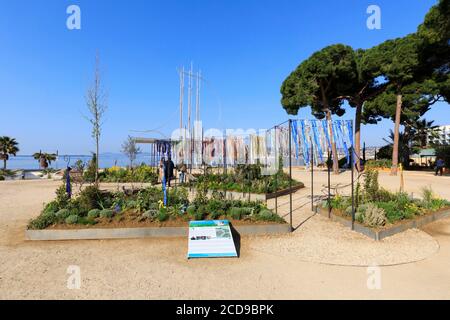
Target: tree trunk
<point>398,113</point>
<point>4,164</point>
<point>333,146</point>
<point>97,161</point>
<point>358,135</point>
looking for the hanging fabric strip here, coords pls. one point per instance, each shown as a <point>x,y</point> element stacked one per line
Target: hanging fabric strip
<point>305,145</point>
<point>326,131</point>
<point>295,137</point>
<point>317,141</point>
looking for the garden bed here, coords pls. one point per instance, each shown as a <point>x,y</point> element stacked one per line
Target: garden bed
<point>246,182</point>
<point>144,211</point>
<point>389,230</point>
<point>380,213</point>
<point>235,195</point>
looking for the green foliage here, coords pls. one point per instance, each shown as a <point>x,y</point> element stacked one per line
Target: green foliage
<point>88,199</point>
<point>51,207</point>
<point>89,174</point>
<point>246,178</point>
<point>72,219</point>
<point>62,199</point>
<point>106,213</point>
<point>162,215</point>
<point>62,214</point>
<point>236,213</point>
<point>383,163</point>
<point>43,221</point>
<point>141,173</point>
<point>267,215</point>
<point>371,215</point>
<point>94,213</point>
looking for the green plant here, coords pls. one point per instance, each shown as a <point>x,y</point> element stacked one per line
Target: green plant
<point>163,215</point>
<point>72,219</point>
<point>106,213</point>
<point>42,221</point>
<point>62,199</point>
<point>427,194</point>
<point>150,214</point>
<point>236,213</point>
<point>267,215</point>
<point>89,199</point>
<point>374,216</point>
<point>51,207</point>
<point>94,213</point>
<point>62,214</point>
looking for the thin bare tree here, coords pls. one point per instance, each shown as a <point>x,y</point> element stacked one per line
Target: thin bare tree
<point>131,150</point>
<point>97,106</point>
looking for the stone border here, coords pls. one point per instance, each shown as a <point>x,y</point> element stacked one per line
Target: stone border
<point>384,233</point>
<point>150,232</point>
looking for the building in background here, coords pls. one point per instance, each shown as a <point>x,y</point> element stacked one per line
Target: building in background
<point>441,135</point>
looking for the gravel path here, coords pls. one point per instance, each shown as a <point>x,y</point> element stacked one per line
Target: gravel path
<point>281,267</point>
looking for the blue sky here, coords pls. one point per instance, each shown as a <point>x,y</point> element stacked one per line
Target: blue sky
<point>245,49</point>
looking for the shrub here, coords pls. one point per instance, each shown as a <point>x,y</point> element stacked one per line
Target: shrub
<point>72,219</point>
<point>62,214</point>
<point>374,216</point>
<point>62,199</point>
<point>51,207</point>
<point>236,213</point>
<point>375,164</point>
<point>89,199</point>
<point>106,213</point>
<point>43,221</point>
<point>267,215</point>
<point>191,210</point>
<point>150,214</point>
<point>162,215</point>
<point>94,213</point>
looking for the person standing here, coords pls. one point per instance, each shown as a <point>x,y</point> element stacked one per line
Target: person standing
<point>161,169</point>
<point>439,167</point>
<point>168,172</point>
<point>183,170</point>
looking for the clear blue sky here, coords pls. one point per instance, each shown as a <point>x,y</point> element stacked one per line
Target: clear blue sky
<point>245,49</point>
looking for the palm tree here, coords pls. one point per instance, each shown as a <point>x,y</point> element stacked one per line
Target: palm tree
<point>406,145</point>
<point>45,159</point>
<point>8,146</point>
<point>423,130</point>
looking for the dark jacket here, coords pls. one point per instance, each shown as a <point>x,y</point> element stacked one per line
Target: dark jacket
<point>168,169</point>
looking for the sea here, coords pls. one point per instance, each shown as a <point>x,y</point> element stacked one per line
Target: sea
<point>107,160</point>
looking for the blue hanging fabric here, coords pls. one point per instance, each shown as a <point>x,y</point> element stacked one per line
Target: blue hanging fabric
<point>326,131</point>
<point>350,136</point>
<point>316,140</point>
<point>295,137</point>
<point>305,145</point>
<point>342,138</point>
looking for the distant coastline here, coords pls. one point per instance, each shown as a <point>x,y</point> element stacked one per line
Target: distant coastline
<point>109,159</point>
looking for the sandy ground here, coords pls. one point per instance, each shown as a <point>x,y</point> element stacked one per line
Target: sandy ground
<point>297,266</point>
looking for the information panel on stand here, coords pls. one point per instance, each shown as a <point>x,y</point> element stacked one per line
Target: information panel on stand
<point>210,239</point>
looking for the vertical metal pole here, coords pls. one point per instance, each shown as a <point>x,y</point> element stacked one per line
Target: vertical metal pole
<point>181,97</point>
<point>277,158</point>
<point>290,173</point>
<point>329,182</point>
<point>225,154</point>
<point>312,176</point>
<point>353,195</point>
